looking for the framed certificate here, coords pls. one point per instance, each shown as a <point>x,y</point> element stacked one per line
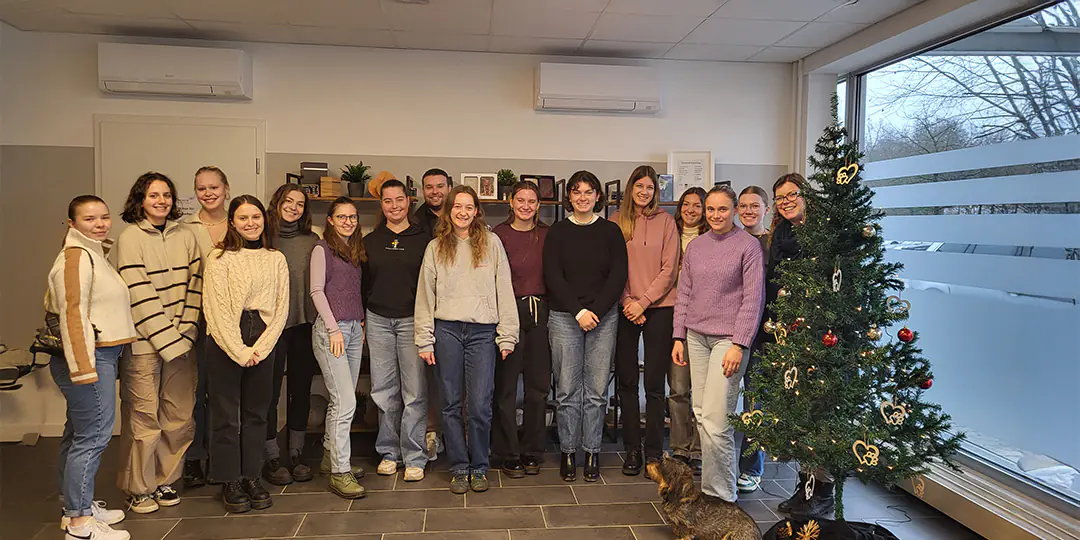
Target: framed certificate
<point>690,168</point>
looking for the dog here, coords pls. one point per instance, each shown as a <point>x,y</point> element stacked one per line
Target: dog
<point>694,515</point>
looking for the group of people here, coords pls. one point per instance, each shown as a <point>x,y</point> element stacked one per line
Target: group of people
<point>204,316</point>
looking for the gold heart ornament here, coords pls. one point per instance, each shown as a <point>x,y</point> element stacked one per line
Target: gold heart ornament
<point>845,174</point>
<point>791,378</point>
<point>895,305</point>
<point>894,414</point>
<point>748,417</point>
<point>919,486</point>
<point>868,455</point>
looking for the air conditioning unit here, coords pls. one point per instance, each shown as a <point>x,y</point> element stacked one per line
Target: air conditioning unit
<point>174,71</point>
<point>597,88</point>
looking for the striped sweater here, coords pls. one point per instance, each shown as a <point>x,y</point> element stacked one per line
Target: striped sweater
<point>163,273</point>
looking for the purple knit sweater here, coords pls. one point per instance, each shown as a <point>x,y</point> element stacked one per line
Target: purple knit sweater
<point>721,287</point>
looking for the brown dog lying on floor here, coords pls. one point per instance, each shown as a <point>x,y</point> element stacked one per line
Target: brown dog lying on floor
<point>693,515</point>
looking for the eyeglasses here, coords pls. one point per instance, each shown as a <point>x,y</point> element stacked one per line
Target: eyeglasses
<point>790,197</point>
<point>351,218</point>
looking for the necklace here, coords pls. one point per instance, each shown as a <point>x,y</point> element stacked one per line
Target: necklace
<point>209,224</point>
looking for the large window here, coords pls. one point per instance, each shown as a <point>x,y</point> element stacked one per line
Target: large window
<point>973,149</point>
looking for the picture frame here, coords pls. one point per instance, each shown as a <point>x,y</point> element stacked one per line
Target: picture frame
<point>472,180</point>
<point>545,184</point>
<point>312,190</point>
<point>489,187</point>
<point>691,168</point>
<point>666,184</point>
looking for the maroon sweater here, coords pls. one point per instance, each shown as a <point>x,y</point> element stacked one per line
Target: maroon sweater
<point>525,251</point>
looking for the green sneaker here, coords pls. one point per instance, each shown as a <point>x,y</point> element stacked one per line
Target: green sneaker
<point>478,482</point>
<point>459,484</point>
<point>344,485</point>
<point>326,468</point>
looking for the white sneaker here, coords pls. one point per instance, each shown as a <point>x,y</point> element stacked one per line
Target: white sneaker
<point>100,513</point>
<point>747,483</point>
<point>95,530</point>
<point>414,474</point>
<point>434,445</point>
<point>387,468</point>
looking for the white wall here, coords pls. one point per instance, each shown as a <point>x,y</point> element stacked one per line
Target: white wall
<point>343,100</point>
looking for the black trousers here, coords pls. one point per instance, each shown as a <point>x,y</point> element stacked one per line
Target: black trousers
<point>293,356</point>
<point>239,398</point>
<point>658,341</point>
<point>532,360</point>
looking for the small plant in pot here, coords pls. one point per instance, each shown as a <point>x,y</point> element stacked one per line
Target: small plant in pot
<point>506,178</point>
<point>355,176</point>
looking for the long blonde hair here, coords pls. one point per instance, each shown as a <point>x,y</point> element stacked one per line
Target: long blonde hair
<point>628,210</point>
<point>446,242</point>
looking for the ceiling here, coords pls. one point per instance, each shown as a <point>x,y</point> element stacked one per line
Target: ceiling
<point>721,30</point>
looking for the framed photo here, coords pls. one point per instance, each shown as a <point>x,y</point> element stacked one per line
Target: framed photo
<point>667,187</point>
<point>312,190</point>
<point>489,187</point>
<point>545,183</point>
<point>691,168</point>
<point>472,180</point>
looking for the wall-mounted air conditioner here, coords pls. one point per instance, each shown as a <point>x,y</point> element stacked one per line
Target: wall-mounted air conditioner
<point>174,71</point>
<point>597,88</point>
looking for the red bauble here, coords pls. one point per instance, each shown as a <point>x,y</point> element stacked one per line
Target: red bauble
<point>795,325</point>
<point>905,334</point>
<point>925,385</point>
<point>830,339</point>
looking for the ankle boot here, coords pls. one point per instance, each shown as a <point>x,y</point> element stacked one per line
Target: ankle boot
<point>568,467</point>
<point>592,467</point>
<point>260,498</point>
<point>632,465</point>
<point>797,499</point>
<point>234,498</point>
<point>821,504</point>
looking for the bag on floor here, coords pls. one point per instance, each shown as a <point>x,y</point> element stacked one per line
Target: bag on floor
<point>826,529</point>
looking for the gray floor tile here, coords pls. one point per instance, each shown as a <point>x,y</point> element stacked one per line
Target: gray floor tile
<point>188,507</point>
<point>442,535</point>
<point>758,510</point>
<point>409,499</point>
<point>302,503</point>
<point>614,494</point>
<point>769,489</point>
<point>653,532</point>
<point>602,514</point>
<point>378,521</point>
<point>439,480</point>
<point>547,477</point>
<point>370,481</point>
<point>613,476</point>
<point>520,496</point>
<point>590,533</point>
<point>235,527</point>
<point>483,518</point>
<point>148,529</point>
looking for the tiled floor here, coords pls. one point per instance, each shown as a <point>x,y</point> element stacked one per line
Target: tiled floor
<point>539,507</point>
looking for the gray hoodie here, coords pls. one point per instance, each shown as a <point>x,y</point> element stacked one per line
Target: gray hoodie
<point>458,292</point>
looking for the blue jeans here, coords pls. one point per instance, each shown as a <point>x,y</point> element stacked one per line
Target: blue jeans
<point>399,389</point>
<point>753,463</point>
<point>582,364</point>
<point>340,375</point>
<point>91,413</point>
<point>465,363</point>
<point>714,396</point>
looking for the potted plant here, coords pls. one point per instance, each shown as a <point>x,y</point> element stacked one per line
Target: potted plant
<point>355,176</point>
<point>507,178</point>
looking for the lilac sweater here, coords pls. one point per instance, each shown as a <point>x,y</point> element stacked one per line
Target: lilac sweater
<point>721,287</point>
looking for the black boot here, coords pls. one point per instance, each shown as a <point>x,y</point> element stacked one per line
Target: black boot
<point>234,498</point>
<point>568,467</point>
<point>260,498</point>
<point>821,504</point>
<point>797,499</point>
<point>512,468</point>
<point>301,472</point>
<point>276,473</point>
<point>531,464</point>
<point>632,465</point>
<point>194,476</point>
<point>592,467</point>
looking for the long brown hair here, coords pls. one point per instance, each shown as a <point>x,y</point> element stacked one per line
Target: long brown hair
<point>628,211</point>
<point>518,188</point>
<point>793,178</point>
<point>702,225</point>
<point>446,241</point>
<point>351,251</point>
<point>233,241</point>
<point>273,216</point>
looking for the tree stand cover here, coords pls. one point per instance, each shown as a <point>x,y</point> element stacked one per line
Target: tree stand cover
<point>825,529</point>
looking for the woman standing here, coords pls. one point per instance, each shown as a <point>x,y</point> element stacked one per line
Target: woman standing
<point>721,294</point>
<point>652,247</point>
<point>523,235</point>
<point>159,259</point>
<point>464,308</point>
<point>338,337</point>
<point>395,252</point>
<point>209,226</point>
<point>585,274</point>
<point>246,303</point>
<point>685,443</point>
<point>88,300</point>
<point>288,223</point>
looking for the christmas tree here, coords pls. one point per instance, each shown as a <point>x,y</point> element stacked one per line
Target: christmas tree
<point>836,391</point>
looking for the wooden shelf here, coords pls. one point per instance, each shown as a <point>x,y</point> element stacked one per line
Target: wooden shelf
<point>369,199</point>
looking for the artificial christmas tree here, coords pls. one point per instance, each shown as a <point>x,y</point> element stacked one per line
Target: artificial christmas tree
<point>837,393</point>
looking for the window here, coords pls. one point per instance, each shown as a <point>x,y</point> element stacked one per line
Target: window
<point>973,150</point>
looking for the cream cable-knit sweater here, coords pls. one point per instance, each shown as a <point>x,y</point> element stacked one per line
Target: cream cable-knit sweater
<point>248,279</point>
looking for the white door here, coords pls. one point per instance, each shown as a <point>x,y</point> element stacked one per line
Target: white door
<point>128,146</point>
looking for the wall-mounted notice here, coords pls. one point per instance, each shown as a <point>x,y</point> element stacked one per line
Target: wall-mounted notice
<point>691,168</point>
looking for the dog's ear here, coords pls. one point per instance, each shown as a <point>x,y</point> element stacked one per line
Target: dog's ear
<point>678,486</point>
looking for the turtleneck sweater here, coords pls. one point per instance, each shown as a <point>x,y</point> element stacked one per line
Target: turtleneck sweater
<point>297,246</point>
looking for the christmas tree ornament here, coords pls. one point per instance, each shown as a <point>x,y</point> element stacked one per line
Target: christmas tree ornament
<point>894,414</point>
<point>905,335</point>
<point>837,278</point>
<point>896,306</point>
<point>925,385</point>
<point>918,485</point>
<point>751,416</point>
<point>791,378</point>
<point>808,488</point>
<point>874,333</point>
<point>769,327</point>
<point>799,321</point>
<point>867,453</point>
<point>782,293</point>
<point>781,334</point>
<point>810,531</point>
<point>845,175</point>
<point>829,339</point>
<point>869,231</point>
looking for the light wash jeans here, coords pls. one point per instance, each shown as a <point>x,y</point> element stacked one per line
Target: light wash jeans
<point>582,364</point>
<point>91,413</point>
<point>340,375</point>
<point>714,396</point>
<point>399,390</point>
<point>465,363</point>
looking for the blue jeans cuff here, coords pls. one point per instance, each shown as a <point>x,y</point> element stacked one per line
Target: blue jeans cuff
<point>78,513</point>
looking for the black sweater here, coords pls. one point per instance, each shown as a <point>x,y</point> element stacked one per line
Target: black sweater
<point>393,269</point>
<point>427,219</point>
<point>585,266</point>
